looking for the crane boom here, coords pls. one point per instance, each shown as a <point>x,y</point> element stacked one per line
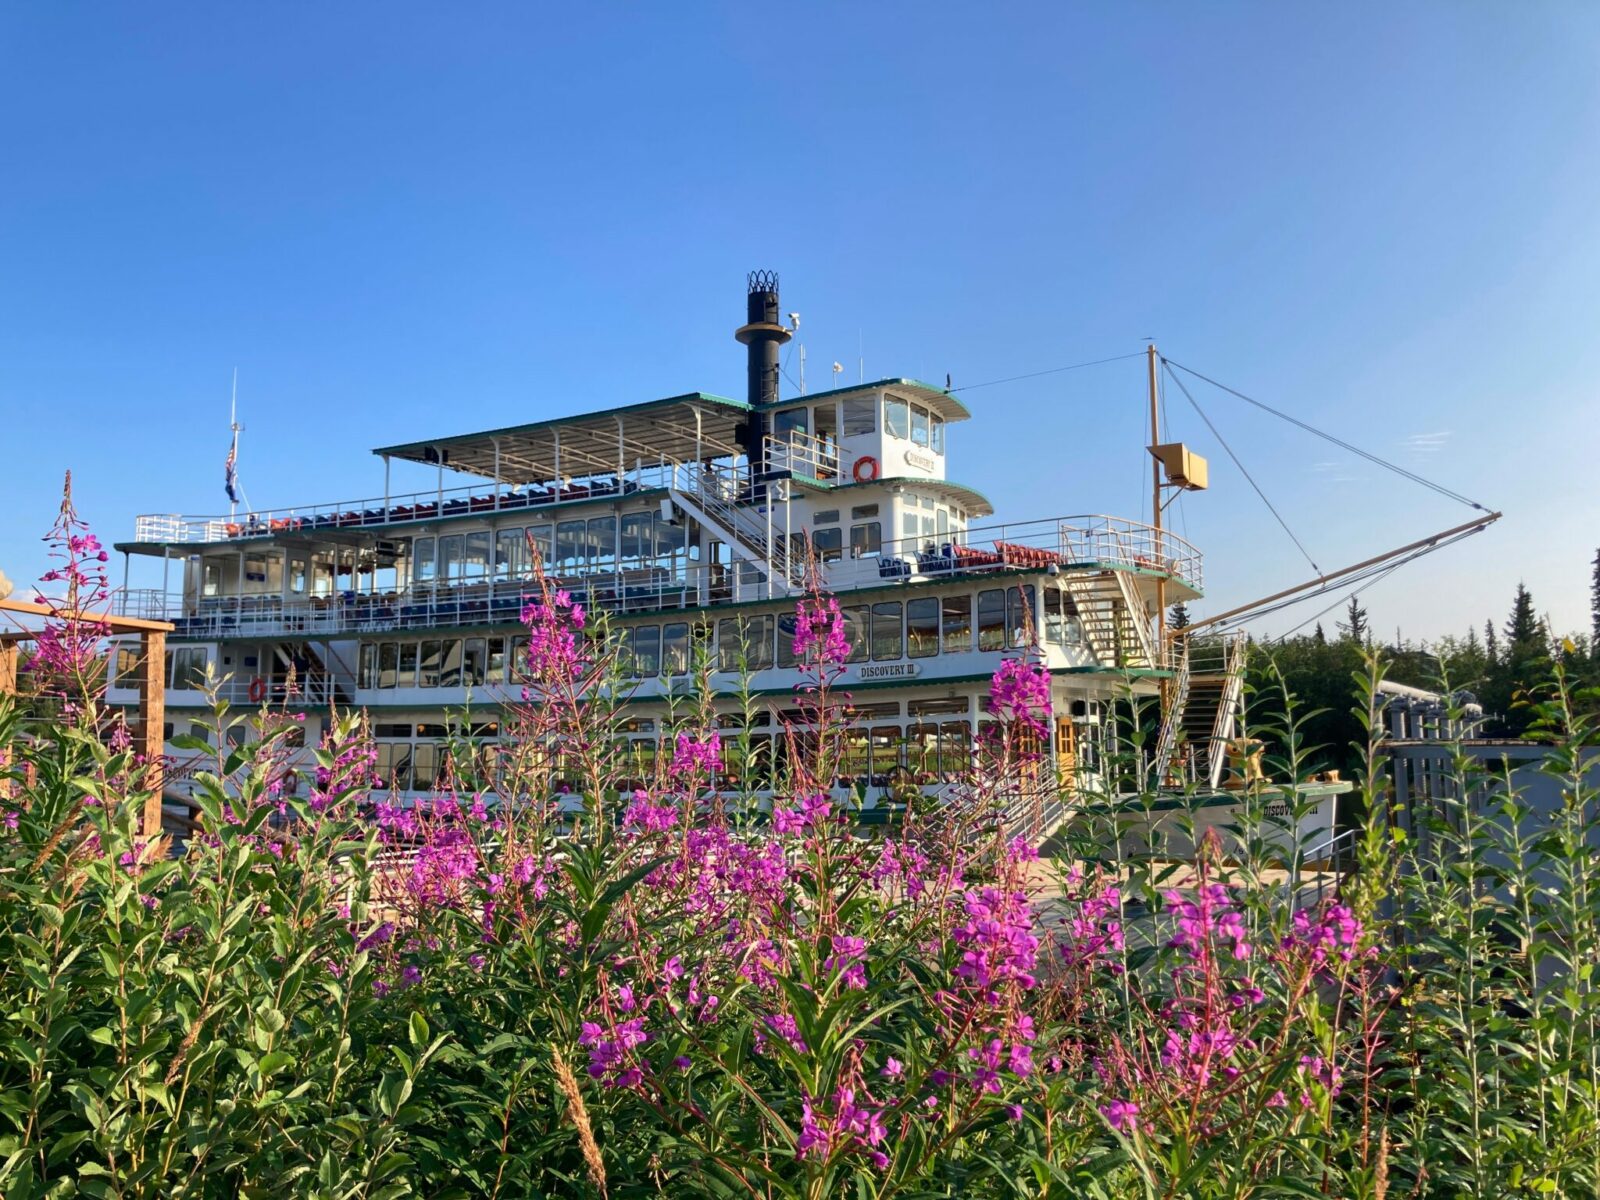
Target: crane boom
<point>1474,526</point>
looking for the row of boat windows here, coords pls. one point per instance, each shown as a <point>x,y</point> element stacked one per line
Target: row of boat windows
<point>855,418</point>
<point>994,619</point>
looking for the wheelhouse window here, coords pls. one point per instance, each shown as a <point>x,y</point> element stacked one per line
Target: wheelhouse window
<point>897,418</point>
<point>937,445</point>
<point>919,426</point>
<point>428,664</point>
<point>406,672</point>
<point>475,563</point>
<point>860,417</point>
<point>790,420</point>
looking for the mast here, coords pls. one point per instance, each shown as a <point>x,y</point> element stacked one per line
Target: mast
<point>1155,508</point>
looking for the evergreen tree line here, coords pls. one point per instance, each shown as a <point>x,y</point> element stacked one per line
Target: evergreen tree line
<point>1501,665</point>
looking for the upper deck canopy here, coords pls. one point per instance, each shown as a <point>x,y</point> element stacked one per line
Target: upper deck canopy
<point>679,428</point>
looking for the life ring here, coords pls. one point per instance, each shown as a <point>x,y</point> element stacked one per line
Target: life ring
<point>866,469</point>
<point>258,690</point>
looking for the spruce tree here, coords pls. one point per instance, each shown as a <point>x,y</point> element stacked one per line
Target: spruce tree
<point>1525,635</point>
<point>1594,607</point>
<point>1491,644</point>
<point>1320,636</point>
<point>1354,626</point>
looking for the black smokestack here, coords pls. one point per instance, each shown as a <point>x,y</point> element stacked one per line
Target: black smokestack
<point>762,334</point>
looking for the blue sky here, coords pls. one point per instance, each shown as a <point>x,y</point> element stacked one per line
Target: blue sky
<point>399,220</point>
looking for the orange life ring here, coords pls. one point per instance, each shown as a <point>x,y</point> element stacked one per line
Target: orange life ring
<point>866,469</point>
<point>258,690</point>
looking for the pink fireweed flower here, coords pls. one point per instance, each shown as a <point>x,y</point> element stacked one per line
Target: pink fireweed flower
<point>1020,693</point>
<point>555,648</point>
<point>611,1051</point>
<point>691,755</point>
<point>1121,1115</point>
<point>647,816</point>
<point>819,637</point>
<point>1335,930</point>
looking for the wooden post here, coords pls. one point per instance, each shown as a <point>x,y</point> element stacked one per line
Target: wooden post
<point>150,738</point>
<point>8,687</point>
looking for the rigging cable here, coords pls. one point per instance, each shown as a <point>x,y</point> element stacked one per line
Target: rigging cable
<point>967,387</point>
<point>1372,458</point>
<point>1250,478</point>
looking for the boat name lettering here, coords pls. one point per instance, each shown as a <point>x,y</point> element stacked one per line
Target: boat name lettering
<point>920,461</point>
<point>891,671</point>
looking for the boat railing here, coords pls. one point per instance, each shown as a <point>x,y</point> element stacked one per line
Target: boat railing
<point>1093,540</point>
<point>394,509</point>
<point>803,454</point>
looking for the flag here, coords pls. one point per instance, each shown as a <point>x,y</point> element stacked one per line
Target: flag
<point>230,475</point>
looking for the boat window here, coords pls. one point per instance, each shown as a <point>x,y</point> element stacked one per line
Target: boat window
<point>938,435</point>
<point>675,649</point>
<point>647,651</point>
<point>744,643</point>
<point>866,539</point>
<point>857,620</point>
<point>909,525</point>
<point>790,420</point>
<point>829,544</point>
<point>637,539</point>
<point>941,522</point>
<point>450,558</point>
<point>367,676</point>
<point>570,544</point>
<point>475,561</point>
<point>860,416</point>
<point>474,663</point>
<point>1017,617</point>
<point>922,627</point>
<point>186,668</point>
<point>896,418</point>
<point>517,659</point>
<point>541,541</point>
<point>992,619</point>
<point>428,665</point>
<point>828,516</point>
<point>942,706</point>
<point>956,617</point>
<point>510,554</point>
<point>423,759</point>
<point>496,672</point>
<point>421,565</point>
<point>671,540</point>
<point>450,665</point>
<point>919,426</point>
<point>788,626</point>
<point>603,541</point>
<point>886,631</point>
<point>862,511</point>
<point>125,672</point>
<point>406,670</point>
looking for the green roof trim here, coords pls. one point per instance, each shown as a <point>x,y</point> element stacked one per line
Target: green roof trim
<point>823,485</point>
<point>947,397</point>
